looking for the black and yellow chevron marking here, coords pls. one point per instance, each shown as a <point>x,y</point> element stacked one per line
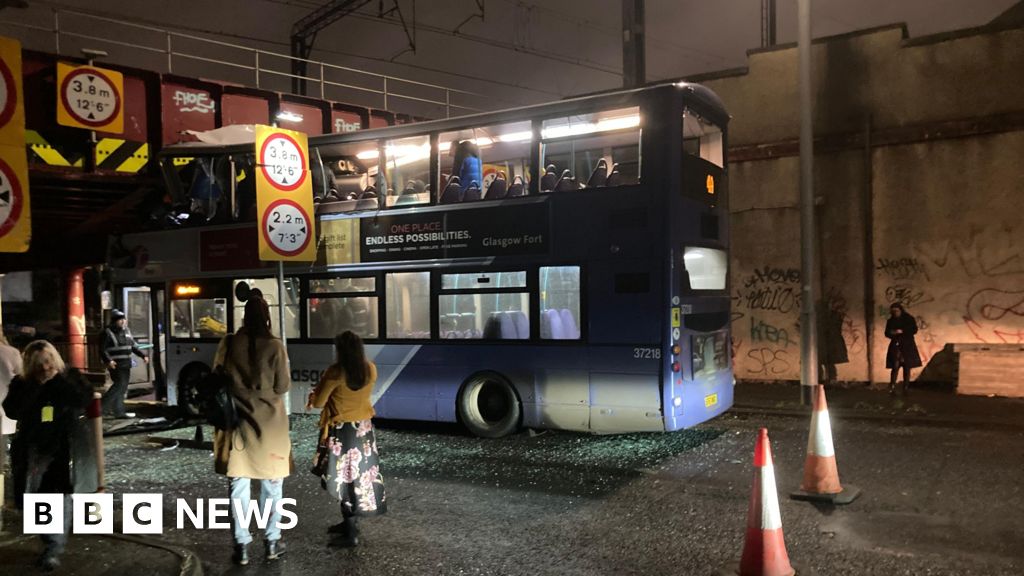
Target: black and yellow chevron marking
<point>41,151</point>
<point>121,155</point>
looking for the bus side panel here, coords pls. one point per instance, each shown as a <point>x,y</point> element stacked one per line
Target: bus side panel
<point>625,403</point>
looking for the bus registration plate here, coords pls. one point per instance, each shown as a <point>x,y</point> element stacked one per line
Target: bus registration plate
<point>710,400</point>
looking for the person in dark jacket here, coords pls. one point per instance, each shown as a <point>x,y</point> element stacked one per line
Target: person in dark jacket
<point>900,329</point>
<point>47,400</point>
<point>116,352</point>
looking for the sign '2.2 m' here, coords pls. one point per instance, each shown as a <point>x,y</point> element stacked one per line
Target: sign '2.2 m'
<point>284,195</point>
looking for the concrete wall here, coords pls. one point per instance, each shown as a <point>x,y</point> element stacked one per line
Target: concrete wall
<point>932,218</point>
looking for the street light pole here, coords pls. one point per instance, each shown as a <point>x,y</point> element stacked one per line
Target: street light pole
<point>808,276</point>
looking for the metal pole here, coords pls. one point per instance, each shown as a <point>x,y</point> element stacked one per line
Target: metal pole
<point>633,40</point>
<point>56,31</point>
<point>808,276</point>
<point>170,54</point>
<point>767,23</point>
<point>322,87</point>
<point>385,93</point>
<point>280,322</point>
<point>257,68</point>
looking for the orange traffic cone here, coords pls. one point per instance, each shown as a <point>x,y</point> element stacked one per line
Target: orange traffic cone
<point>821,475</point>
<point>764,550</point>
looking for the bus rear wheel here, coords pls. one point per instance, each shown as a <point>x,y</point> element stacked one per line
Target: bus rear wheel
<point>489,406</point>
<point>188,388</point>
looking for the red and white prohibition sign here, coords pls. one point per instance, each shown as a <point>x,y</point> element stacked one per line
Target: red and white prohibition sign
<point>8,94</point>
<point>90,97</point>
<point>286,227</point>
<point>283,162</point>
<point>11,199</point>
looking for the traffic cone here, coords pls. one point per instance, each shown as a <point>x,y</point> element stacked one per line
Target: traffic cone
<point>764,549</point>
<point>821,474</point>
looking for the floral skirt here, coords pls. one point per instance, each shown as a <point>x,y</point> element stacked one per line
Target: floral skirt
<point>353,469</point>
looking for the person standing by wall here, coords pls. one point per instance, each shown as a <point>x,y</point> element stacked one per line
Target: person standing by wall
<point>10,366</point>
<point>902,353</point>
<point>259,446</point>
<point>352,471</point>
<point>46,400</point>
<point>116,352</point>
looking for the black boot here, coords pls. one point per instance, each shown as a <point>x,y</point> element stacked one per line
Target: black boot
<point>349,532</point>
<point>275,548</point>
<point>892,388</point>
<point>241,555</point>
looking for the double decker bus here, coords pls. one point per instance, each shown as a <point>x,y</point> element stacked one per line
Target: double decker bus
<point>554,266</point>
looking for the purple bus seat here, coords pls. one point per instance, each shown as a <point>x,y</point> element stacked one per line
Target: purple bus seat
<point>452,193</point>
<point>508,326</point>
<point>548,181</point>
<point>569,324</point>
<point>551,325</point>
<point>472,193</point>
<point>599,176</point>
<point>498,188</point>
<point>522,325</point>
<point>566,182</point>
<point>517,188</point>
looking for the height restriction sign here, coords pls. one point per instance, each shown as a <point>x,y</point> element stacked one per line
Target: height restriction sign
<point>12,110</point>
<point>15,224</point>
<point>284,195</point>
<point>90,98</point>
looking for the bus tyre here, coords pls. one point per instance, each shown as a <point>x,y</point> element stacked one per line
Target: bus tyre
<point>489,406</point>
<point>188,388</point>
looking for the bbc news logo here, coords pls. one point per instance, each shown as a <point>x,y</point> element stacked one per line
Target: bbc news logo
<point>144,513</point>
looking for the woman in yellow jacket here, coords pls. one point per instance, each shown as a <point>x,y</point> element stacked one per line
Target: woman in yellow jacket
<point>352,473</point>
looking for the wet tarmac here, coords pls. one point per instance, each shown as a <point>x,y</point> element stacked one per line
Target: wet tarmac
<point>936,500</point>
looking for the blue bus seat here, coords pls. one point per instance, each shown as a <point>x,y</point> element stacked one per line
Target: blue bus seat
<point>517,188</point>
<point>549,180</point>
<point>599,176</point>
<point>498,188</point>
<point>472,193</point>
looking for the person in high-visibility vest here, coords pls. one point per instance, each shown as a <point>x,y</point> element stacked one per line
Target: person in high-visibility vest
<point>116,352</point>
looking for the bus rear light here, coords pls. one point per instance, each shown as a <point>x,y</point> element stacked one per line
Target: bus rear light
<point>677,401</point>
<point>677,350</point>
<point>675,367</point>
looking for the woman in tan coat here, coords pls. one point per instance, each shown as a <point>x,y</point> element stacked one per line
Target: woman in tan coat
<point>352,472</point>
<point>259,447</point>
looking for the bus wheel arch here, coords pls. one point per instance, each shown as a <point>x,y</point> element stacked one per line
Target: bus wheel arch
<point>488,405</point>
<point>189,378</point>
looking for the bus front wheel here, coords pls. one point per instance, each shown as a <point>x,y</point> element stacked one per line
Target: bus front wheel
<point>188,387</point>
<point>489,406</point>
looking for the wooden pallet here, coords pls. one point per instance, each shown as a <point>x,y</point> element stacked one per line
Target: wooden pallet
<point>995,371</point>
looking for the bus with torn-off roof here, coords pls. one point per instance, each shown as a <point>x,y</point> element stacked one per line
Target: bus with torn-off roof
<point>558,266</point>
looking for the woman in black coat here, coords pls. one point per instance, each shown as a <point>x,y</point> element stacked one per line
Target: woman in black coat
<point>900,330</point>
<point>46,400</point>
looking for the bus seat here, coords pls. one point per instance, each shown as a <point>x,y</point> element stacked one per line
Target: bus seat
<point>369,192</point>
<point>549,180</point>
<point>472,193</point>
<point>566,182</point>
<point>492,328</point>
<point>551,325</point>
<point>407,199</point>
<point>508,326</point>
<point>522,324</point>
<point>614,177</point>
<point>452,193</point>
<point>498,188</point>
<point>348,184</point>
<point>572,332</point>
<point>517,188</point>
<point>599,176</point>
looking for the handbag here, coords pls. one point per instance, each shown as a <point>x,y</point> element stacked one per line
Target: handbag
<point>215,398</point>
<point>321,457</point>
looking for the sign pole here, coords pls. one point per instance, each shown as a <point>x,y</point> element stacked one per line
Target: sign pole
<point>280,323</point>
<point>808,257</point>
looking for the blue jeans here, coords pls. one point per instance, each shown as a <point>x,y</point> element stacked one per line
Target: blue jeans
<point>270,493</point>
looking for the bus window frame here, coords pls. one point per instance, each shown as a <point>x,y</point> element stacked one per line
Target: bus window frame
<point>378,292</point>
<point>210,285</point>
